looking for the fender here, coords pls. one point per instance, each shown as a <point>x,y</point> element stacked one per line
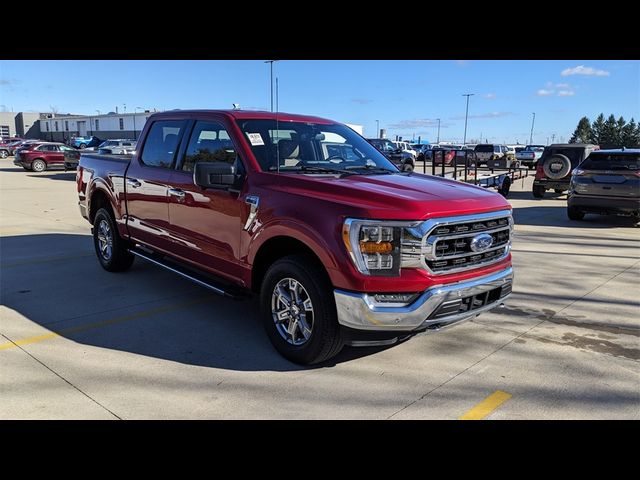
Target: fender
<point>302,232</point>
<point>99,184</point>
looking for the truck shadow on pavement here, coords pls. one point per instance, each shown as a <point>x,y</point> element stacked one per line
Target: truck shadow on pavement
<point>55,281</point>
<point>61,175</point>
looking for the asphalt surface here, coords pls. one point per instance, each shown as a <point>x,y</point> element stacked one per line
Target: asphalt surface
<point>77,342</point>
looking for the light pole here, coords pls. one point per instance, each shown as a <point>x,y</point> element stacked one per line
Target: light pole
<point>438,140</point>
<point>533,121</point>
<point>135,110</point>
<point>466,115</point>
<point>377,128</point>
<point>270,62</point>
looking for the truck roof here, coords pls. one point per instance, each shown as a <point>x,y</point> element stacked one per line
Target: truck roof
<point>250,114</point>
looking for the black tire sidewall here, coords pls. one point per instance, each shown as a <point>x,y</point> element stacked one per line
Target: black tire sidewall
<point>120,259</point>
<point>320,292</point>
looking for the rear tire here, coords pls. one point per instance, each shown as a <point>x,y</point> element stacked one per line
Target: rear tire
<point>83,146</point>
<point>38,165</point>
<point>574,213</point>
<point>111,249</point>
<point>407,167</point>
<point>505,187</point>
<point>313,301</point>
<point>538,191</point>
<point>4,154</point>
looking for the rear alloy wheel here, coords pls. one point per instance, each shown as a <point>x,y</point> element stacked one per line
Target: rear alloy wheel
<point>38,165</point>
<point>299,312</point>
<point>4,154</point>
<point>538,191</point>
<point>575,214</point>
<point>111,250</point>
<point>82,146</point>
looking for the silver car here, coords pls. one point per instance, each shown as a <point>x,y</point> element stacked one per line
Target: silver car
<point>117,146</point>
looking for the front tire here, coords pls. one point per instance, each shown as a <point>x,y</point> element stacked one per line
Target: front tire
<point>4,154</point>
<point>407,167</point>
<point>83,146</point>
<point>111,249</point>
<point>575,214</point>
<point>299,311</point>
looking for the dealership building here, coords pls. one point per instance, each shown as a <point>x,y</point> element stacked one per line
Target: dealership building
<point>60,128</point>
<point>20,124</point>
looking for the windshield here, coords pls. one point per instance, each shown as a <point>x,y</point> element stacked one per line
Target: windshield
<point>602,161</point>
<point>484,148</point>
<point>534,148</point>
<point>109,143</point>
<point>311,148</point>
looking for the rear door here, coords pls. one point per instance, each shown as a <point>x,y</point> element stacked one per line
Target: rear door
<point>609,175</point>
<point>147,184</point>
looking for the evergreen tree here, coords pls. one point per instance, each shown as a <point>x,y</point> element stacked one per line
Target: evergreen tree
<point>597,129</point>
<point>630,135</point>
<point>610,133</point>
<point>582,133</point>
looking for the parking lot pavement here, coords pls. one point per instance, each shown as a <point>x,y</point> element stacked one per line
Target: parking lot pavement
<point>78,342</point>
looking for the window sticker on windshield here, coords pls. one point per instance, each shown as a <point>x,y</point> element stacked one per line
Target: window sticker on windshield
<point>255,139</point>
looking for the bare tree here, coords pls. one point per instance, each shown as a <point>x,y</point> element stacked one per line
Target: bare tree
<point>54,109</point>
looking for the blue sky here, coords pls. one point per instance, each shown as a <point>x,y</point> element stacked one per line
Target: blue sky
<point>405,96</point>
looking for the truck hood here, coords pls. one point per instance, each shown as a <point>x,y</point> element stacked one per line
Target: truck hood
<point>401,197</point>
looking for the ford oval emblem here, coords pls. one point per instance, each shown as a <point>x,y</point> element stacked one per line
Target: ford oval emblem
<point>481,242</point>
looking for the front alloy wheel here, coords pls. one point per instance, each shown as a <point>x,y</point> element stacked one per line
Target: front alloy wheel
<point>292,311</point>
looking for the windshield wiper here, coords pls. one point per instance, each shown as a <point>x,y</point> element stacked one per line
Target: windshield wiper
<point>369,169</point>
<point>313,168</point>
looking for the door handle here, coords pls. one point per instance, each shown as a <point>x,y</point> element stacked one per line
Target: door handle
<point>176,192</point>
<point>133,183</point>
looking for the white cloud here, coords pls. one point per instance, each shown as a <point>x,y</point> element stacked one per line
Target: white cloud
<point>566,93</point>
<point>543,92</point>
<point>416,123</point>
<point>582,70</point>
<point>485,115</point>
<point>489,96</point>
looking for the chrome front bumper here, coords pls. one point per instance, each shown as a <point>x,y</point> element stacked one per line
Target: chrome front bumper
<point>360,311</point>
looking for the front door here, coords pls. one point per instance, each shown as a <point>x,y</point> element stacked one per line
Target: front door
<point>147,184</point>
<point>206,223</point>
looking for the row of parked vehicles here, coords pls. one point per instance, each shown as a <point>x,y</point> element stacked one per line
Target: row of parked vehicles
<point>39,155</point>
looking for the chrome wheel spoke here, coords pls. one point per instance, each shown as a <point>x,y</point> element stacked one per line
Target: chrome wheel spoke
<point>292,311</point>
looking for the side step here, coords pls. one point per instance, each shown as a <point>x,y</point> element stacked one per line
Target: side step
<point>202,279</point>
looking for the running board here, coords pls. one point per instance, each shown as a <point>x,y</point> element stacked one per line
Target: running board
<point>200,279</point>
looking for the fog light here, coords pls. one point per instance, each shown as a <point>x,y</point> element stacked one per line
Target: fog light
<point>404,298</point>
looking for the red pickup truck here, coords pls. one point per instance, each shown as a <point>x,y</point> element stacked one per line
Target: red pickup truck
<point>342,248</point>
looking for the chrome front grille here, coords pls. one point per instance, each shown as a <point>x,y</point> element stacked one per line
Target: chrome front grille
<point>447,245</point>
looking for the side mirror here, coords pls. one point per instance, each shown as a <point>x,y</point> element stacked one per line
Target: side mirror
<point>214,174</point>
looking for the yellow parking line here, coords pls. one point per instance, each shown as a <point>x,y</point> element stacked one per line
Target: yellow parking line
<point>488,405</point>
<point>104,323</point>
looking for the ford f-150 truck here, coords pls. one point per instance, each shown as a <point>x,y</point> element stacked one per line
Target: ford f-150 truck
<point>341,250</point>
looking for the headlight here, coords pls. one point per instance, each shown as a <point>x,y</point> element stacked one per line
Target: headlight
<point>375,247</point>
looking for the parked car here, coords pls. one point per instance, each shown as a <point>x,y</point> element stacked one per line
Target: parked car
<point>22,145</point>
<point>41,156</point>
<point>530,155</point>
<point>7,148</point>
<point>443,154</point>
<point>553,170</point>
<point>403,160</point>
<point>117,146</point>
<point>406,148</point>
<point>84,142</point>
<point>337,252</point>
<point>423,151</point>
<point>72,158</point>
<point>486,152</point>
<point>606,183</point>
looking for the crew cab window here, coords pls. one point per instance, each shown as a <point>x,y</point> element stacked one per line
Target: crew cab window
<point>209,142</point>
<point>162,142</point>
<point>48,148</point>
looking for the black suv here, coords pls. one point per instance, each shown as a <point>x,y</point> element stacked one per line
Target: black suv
<point>403,160</point>
<point>554,167</point>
